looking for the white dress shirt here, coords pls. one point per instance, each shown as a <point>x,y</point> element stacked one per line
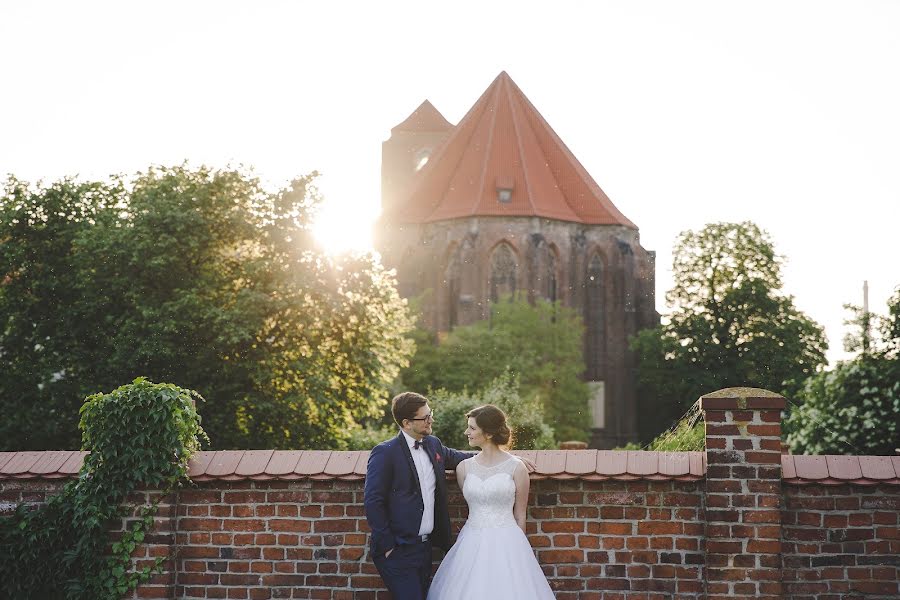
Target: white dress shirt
<point>427,481</point>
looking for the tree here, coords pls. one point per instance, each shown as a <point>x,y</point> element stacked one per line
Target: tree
<point>730,325</point>
<point>202,278</point>
<point>541,344</point>
<point>854,408</point>
<point>524,414</point>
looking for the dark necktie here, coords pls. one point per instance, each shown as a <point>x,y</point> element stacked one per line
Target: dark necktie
<point>417,444</point>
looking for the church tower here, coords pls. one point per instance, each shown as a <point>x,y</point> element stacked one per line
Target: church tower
<point>499,204</point>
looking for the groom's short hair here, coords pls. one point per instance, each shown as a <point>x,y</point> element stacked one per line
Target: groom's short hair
<point>406,405</point>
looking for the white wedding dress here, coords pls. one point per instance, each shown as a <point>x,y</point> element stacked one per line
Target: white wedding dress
<point>492,556</point>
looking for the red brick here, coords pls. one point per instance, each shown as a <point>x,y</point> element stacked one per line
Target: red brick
<point>763,457</point>
<point>659,527</point>
<point>715,416</point>
<point>771,444</point>
<point>637,543</point>
<point>716,442</point>
<point>770,416</point>
<point>723,486</point>
<point>561,556</point>
<point>764,430</point>
<point>248,497</point>
<point>562,526</point>
<point>243,525</point>
<point>713,429</point>
<point>291,497</point>
<point>608,528</point>
<point>724,547</point>
<point>809,518</point>
<point>764,546</point>
<point>761,516</point>
<point>200,524</point>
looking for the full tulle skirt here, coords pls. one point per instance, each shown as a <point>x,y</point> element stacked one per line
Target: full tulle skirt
<point>495,562</point>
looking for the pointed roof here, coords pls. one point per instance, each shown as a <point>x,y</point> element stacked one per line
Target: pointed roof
<point>504,142</point>
<point>425,118</point>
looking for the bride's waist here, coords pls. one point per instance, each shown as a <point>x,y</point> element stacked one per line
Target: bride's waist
<point>487,520</point>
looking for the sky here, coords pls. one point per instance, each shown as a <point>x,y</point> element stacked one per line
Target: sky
<point>686,113</point>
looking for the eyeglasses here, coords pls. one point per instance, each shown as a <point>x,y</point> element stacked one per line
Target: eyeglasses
<point>428,417</point>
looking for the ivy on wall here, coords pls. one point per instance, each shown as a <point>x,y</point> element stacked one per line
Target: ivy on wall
<point>140,436</point>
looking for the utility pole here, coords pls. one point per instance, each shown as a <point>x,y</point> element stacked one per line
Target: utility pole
<point>866,319</point>
<point>865,295</point>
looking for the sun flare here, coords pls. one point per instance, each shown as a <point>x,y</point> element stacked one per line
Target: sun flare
<point>341,228</point>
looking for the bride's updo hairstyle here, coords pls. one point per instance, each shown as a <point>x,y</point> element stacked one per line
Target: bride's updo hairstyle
<point>492,422</point>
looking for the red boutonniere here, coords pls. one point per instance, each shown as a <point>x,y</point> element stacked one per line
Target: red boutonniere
<point>437,456</point>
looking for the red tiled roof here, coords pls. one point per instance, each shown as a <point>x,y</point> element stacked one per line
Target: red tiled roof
<point>504,142</point>
<point>425,118</point>
<point>236,465</point>
<point>51,464</point>
<point>836,470</point>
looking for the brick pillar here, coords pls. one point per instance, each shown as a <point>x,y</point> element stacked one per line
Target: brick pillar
<point>743,493</point>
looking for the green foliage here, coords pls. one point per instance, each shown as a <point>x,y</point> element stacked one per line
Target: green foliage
<point>730,326</point>
<point>200,277</point>
<point>140,436</point>
<point>854,408</point>
<point>541,344</point>
<point>686,435</point>
<point>366,438</point>
<point>524,415</point>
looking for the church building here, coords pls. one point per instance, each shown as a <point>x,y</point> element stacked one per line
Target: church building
<point>498,205</point>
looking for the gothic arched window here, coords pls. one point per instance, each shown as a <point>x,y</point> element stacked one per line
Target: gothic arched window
<point>551,291</point>
<point>503,272</point>
<point>451,281</point>
<point>594,309</point>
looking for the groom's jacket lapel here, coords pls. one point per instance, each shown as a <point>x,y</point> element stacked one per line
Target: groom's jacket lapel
<point>401,439</point>
<point>437,461</point>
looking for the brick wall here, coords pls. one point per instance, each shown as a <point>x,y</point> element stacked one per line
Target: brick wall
<point>840,541</point>
<point>743,531</point>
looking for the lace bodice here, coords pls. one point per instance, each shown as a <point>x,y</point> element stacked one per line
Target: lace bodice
<point>490,493</point>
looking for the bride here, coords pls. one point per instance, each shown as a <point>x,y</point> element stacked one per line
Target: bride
<point>492,553</point>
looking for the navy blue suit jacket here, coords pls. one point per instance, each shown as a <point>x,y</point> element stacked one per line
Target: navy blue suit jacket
<point>393,495</point>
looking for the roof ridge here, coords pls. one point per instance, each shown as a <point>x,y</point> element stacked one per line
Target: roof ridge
<point>580,170</point>
<point>424,117</point>
<point>515,122</point>
<point>487,151</point>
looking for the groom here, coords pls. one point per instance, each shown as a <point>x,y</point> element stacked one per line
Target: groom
<point>406,498</point>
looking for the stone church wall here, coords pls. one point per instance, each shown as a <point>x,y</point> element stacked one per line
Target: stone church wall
<point>449,263</point>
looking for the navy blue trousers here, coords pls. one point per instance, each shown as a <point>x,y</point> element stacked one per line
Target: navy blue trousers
<point>407,571</point>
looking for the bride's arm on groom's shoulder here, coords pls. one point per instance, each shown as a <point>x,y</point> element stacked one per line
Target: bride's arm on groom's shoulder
<point>523,481</point>
<point>454,457</point>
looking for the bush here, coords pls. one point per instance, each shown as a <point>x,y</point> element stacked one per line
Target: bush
<point>140,435</point>
<point>541,343</point>
<point>525,415</point>
<point>854,408</point>
<point>687,435</point>
<point>366,438</point>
